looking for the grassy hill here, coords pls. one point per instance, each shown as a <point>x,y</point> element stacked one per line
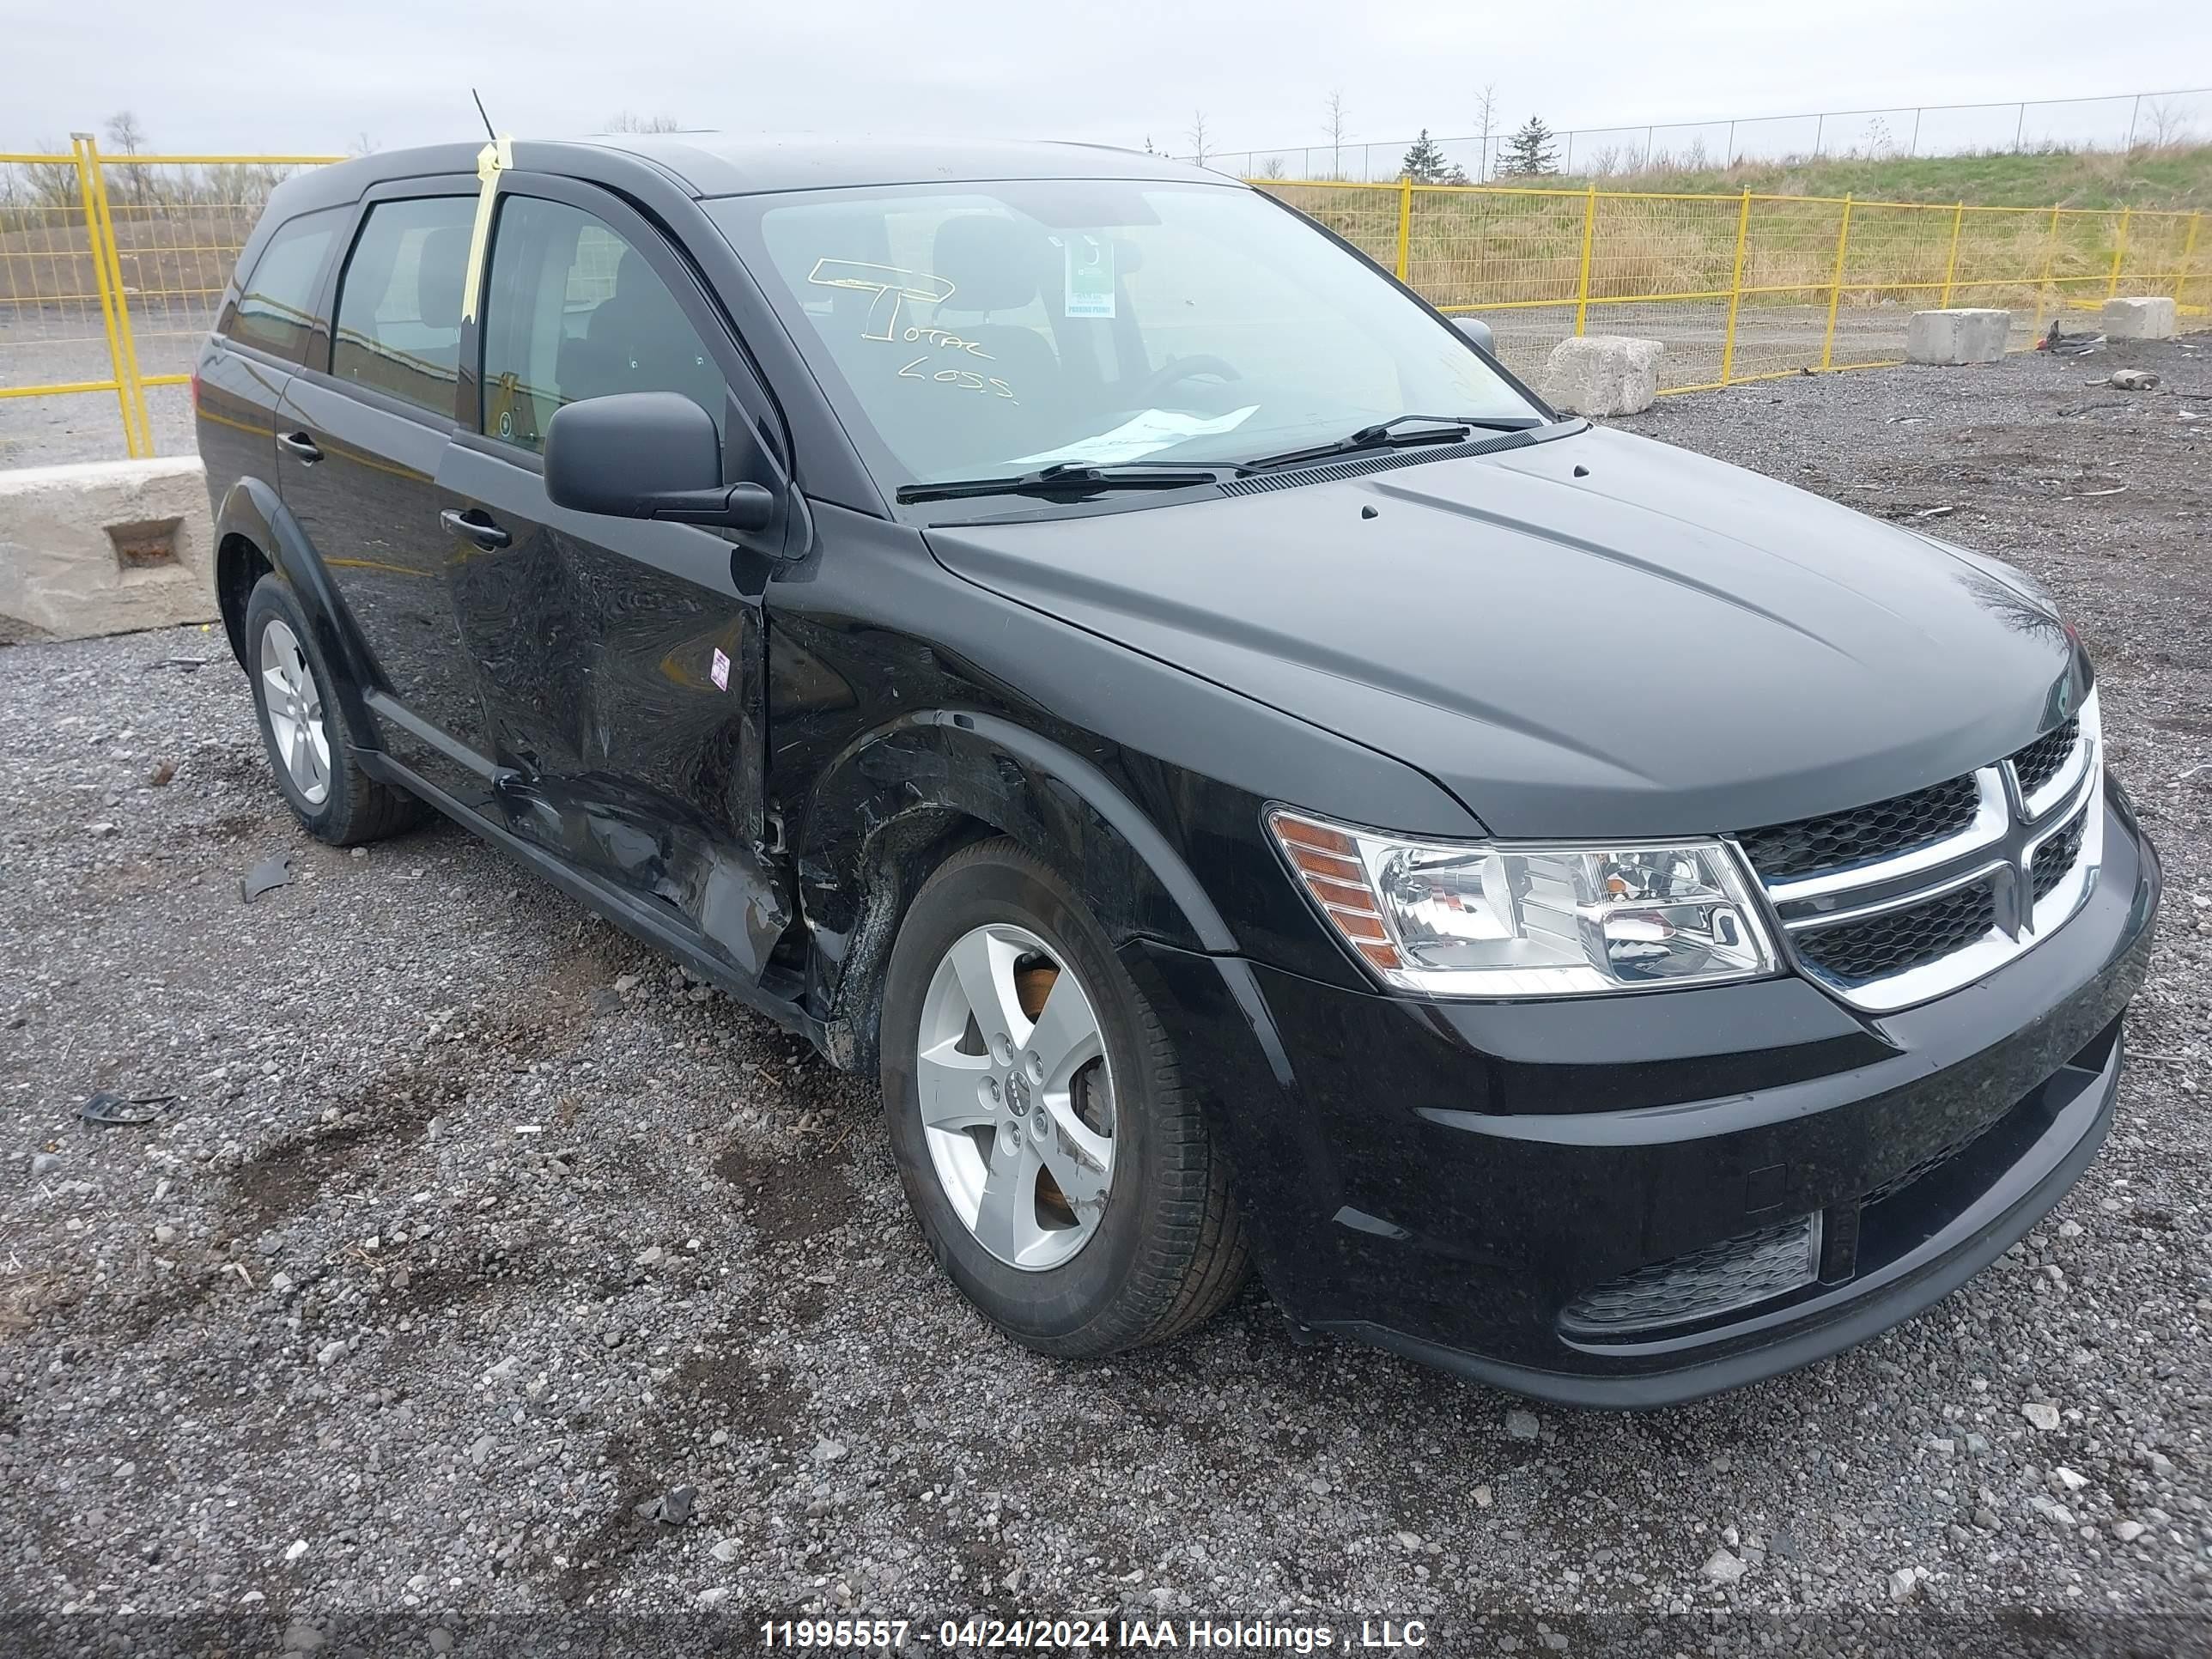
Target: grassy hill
<point>1670,233</point>
<point>2177,176</point>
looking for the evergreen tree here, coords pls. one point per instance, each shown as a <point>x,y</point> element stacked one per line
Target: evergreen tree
<point>1529,151</point>
<point>1425,164</point>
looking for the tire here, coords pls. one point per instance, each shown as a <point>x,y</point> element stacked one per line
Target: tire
<point>309,747</point>
<point>1070,1274</point>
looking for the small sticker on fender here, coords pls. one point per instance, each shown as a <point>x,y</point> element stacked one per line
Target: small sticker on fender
<point>722,670</point>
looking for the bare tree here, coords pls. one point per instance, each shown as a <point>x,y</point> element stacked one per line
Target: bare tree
<point>1486,109</point>
<point>124,132</point>
<point>1196,134</point>
<point>362,144</point>
<point>1274,168</point>
<point>625,121</point>
<point>2164,125</point>
<point>34,191</point>
<point>50,185</point>
<point>1333,126</point>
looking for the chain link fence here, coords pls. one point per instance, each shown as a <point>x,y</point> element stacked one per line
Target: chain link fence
<point>2119,122</point>
<point>112,267</point>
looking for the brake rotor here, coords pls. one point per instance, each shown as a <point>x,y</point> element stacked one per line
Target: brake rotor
<point>1032,984</point>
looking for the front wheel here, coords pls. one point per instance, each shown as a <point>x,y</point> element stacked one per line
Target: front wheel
<point>1062,1171</point>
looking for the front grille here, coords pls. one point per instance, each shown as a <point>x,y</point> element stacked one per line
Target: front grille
<point>1895,941</point>
<point>1716,1279</point>
<point>1783,851</point>
<point>1913,896</point>
<point>2055,857</point>
<point>2037,764</point>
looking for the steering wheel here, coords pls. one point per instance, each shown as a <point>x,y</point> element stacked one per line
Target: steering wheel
<point>1182,369</point>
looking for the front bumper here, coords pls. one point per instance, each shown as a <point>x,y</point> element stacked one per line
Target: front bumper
<point>1453,1180</point>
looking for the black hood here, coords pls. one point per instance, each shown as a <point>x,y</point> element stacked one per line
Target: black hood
<point>1664,645</point>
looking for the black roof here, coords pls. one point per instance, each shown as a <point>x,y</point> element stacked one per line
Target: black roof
<point>734,164</point>
<point>703,164</point>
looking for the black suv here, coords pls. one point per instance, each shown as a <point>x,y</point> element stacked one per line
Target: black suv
<point>1074,638</point>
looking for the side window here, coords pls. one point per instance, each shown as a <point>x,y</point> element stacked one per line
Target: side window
<point>275,309</point>
<point>573,311</point>
<point>399,301</point>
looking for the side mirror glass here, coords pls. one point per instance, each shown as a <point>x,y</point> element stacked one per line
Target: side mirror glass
<point>646,455</point>
<point>1475,329</point>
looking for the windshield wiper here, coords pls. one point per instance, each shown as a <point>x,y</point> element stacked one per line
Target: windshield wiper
<point>1441,429</point>
<point>1062,478</point>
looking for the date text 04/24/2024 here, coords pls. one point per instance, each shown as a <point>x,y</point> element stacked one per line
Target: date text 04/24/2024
<point>1094,1634</point>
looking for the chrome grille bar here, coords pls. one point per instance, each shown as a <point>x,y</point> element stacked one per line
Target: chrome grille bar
<point>1998,848</point>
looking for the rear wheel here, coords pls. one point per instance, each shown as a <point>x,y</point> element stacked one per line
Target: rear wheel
<point>304,730</point>
<point>1063,1174</point>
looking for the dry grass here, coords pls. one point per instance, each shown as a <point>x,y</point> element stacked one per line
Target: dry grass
<point>1492,247</point>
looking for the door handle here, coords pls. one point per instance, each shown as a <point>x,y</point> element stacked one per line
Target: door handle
<point>302,445</point>
<point>474,526</point>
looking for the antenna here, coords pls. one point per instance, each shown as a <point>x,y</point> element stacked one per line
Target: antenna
<point>488,133</point>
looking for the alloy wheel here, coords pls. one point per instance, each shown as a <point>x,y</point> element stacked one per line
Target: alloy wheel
<point>294,704</point>
<point>1016,1097</point>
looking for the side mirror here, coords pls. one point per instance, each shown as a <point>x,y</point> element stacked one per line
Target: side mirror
<point>1475,329</point>
<point>646,455</point>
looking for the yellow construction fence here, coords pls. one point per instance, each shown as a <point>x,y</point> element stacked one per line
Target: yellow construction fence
<point>112,267</point>
<point>1748,287</point>
<point>111,271</point>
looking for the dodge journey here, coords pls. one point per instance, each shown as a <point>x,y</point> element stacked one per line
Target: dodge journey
<point>1077,642</point>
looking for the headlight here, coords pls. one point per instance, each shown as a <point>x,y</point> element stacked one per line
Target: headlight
<point>1480,919</point>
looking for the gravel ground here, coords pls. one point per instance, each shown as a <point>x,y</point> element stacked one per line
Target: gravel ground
<point>474,1232</point>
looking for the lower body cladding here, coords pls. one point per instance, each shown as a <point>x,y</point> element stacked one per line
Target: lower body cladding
<point>1634,1200</point>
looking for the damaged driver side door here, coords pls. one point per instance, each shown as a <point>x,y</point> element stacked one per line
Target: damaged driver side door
<point>620,660</point>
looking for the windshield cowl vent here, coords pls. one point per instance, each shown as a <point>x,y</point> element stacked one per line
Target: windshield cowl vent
<point>1358,465</point>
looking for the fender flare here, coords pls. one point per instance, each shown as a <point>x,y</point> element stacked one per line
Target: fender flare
<point>252,509</point>
<point>1099,792</point>
<point>892,797</point>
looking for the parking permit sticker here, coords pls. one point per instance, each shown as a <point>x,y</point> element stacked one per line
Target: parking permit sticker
<point>722,670</point>
<point>1089,276</point>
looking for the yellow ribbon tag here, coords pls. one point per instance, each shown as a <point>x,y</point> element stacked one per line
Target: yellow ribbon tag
<point>494,159</point>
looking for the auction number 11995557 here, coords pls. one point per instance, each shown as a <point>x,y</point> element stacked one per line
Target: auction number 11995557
<point>1086,1634</point>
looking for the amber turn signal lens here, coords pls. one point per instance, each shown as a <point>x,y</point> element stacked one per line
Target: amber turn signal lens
<point>1327,862</point>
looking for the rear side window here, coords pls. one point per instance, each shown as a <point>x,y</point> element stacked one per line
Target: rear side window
<point>573,311</point>
<point>399,301</point>
<point>276,309</point>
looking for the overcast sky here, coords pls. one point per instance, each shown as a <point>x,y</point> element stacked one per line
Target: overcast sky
<point>318,77</point>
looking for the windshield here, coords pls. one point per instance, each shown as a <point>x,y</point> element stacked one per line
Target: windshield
<point>993,327</point>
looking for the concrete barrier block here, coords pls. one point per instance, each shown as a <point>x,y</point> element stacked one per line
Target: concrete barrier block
<point>1602,374</point>
<point>106,548</point>
<point>1965,335</point>
<point>2139,319</point>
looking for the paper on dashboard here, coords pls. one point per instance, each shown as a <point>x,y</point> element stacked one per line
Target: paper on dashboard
<point>1143,434</point>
